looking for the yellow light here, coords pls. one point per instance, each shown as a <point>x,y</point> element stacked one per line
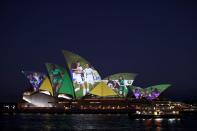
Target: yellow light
<point>155,113</point>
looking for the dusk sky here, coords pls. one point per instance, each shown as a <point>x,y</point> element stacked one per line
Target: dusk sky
<point>156,40</point>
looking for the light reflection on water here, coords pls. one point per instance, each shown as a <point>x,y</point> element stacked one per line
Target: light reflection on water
<point>92,121</point>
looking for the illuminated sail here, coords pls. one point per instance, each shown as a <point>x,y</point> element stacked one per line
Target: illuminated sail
<point>152,92</point>
<point>84,76</point>
<point>67,86</point>
<point>103,90</point>
<point>120,82</point>
<point>46,86</point>
<point>60,80</point>
<point>138,92</point>
<point>126,76</point>
<point>35,78</point>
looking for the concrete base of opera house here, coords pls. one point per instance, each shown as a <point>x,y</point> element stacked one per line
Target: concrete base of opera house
<point>135,109</point>
<point>81,106</point>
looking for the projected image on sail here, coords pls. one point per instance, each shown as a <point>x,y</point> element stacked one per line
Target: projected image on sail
<point>84,76</point>
<point>46,87</point>
<point>35,78</point>
<point>149,93</point>
<point>137,92</point>
<point>61,81</point>
<point>120,82</point>
<point>153,92</point>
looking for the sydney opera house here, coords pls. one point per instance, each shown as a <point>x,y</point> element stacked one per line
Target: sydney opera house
<point>79,86</point>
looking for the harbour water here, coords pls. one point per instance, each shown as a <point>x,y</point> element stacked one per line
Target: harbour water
<point>22,121</point>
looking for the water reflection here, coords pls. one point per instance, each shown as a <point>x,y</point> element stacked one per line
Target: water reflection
<point>91,122</point>
<point>148,124</point>
<point>171,120</point>
<point>160,123</point>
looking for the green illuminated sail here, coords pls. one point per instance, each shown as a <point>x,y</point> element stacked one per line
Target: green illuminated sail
<point>153,92</point>
<point>120,82</point>
<point>67,86</point>
<point>160,88</point>
<point>126,76</point>
<point>60,80</point>
<point>83,74</point>
<point>138,92</point>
